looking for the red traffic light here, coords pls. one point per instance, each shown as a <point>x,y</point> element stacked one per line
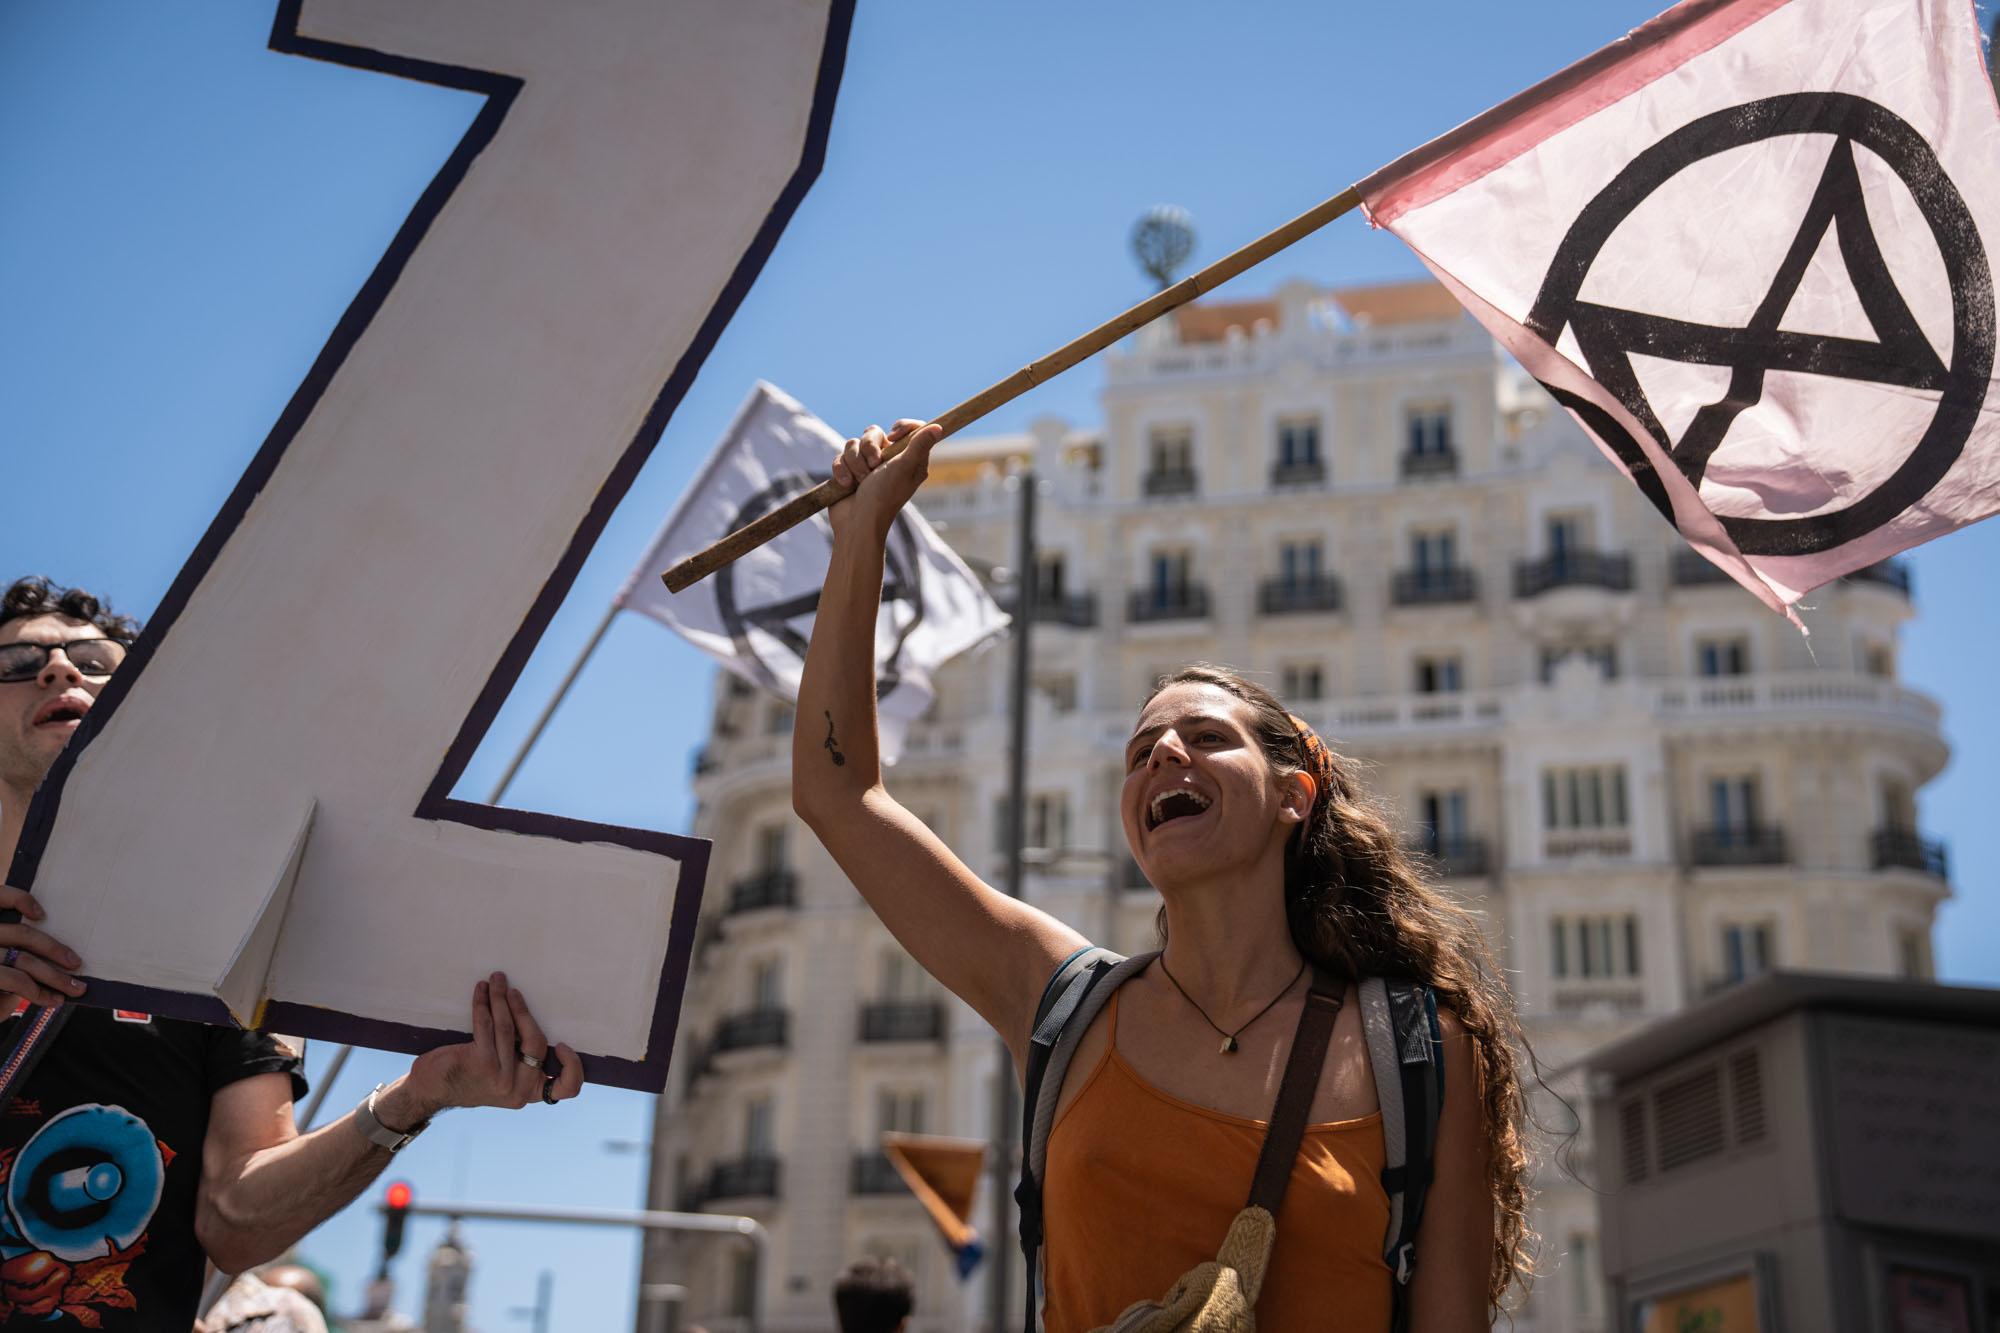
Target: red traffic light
<point>398,1195</point>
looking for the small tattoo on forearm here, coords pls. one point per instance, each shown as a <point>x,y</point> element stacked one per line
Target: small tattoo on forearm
<point>833,746</point>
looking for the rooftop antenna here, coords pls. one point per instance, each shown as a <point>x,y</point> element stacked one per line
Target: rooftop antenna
<point>1162,240</point>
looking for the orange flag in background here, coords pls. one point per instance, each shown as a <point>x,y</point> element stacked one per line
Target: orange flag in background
<point>944,1175</point>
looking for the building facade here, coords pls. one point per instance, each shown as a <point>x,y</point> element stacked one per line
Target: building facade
<point>1651,785</point>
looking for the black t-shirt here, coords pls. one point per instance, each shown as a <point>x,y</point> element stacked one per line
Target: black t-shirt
<point>100,1160</point>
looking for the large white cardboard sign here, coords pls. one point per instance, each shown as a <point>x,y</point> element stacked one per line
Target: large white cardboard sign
<point>255,823</point>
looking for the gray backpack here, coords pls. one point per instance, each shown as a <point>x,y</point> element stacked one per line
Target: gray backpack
<point>1405,1050</point>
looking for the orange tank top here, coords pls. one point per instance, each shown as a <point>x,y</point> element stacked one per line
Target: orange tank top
<point>1142,1187</point>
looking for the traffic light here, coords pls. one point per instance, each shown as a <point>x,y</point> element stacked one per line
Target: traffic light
<point>395,1212</point>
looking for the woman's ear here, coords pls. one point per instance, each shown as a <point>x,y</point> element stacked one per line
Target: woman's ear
<point>1300,792</point>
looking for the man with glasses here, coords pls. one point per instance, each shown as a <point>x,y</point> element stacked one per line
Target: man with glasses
<point>138,1146</point>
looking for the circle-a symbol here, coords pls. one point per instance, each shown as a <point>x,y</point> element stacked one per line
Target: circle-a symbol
<point>1901,357</point>
<point>902,591</point>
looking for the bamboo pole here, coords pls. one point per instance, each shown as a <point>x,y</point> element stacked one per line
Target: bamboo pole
<point>802,507</point>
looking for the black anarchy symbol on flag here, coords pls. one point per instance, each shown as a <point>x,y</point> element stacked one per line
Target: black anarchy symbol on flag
<point>902,586</point>
<point>1900,357</point>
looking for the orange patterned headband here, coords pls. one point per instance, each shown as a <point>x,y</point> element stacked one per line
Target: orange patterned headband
<point>1319,759</point>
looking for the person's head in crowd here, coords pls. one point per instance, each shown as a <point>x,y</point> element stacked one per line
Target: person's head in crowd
<point>295,1277</point>
<point>1356,902</point>
<point>874,1296</point>
<point>58,647</point>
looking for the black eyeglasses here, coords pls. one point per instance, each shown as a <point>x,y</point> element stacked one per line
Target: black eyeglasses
<point>96,658</point>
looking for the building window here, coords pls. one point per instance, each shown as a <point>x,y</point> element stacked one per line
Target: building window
<point>902,979</point>
<point>759,1127</point>
<point>1899,807</point>
<point>1603,656</point>
<point>1302,681</point>
<point>1172,450</point>
<point>1878,660</point>
<point>1746,950</point>
<point>1047,827</point>
<point>1298,442</point>
<point>1566,534</point>
<point>1050,579</point>
<point>742,1283</point>
<point>767,985</point>
<point>1439,673</point>
<point>1595,947</point>
<point>770,849</point>
<point>1586,1285</point>
<point>1434,551</point>
<point>899,1111</point>
<point>1173,575</point>
<point>1060,690</point>
<point>1722,656</point>
<point>1444,816</point>
<point>1591,797</point>
<point>778,722</point>
<point>1299,563</point>
<point>1913,953</point>
<point>1430,431</point>
<point>1732,803</point>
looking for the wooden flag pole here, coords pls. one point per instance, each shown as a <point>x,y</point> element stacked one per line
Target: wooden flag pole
<point>802,507</point>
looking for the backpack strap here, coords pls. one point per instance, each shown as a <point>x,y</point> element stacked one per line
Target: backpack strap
<point>1076,992</point>
<point>1406,1055</point>
<point>1287,1125</point>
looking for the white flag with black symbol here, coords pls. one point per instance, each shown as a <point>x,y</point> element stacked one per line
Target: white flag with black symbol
<point>1749,247</point>
<point>755,615</point>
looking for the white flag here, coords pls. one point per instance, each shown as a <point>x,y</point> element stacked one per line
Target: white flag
<point>1749,247</point>
<point>755,615</point>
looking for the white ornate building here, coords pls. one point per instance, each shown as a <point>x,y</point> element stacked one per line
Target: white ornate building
<point>1651,785</point>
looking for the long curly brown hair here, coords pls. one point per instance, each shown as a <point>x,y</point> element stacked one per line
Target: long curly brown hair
<point>1359,906</point>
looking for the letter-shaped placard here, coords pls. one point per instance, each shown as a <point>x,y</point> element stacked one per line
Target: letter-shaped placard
<point>255,822</point>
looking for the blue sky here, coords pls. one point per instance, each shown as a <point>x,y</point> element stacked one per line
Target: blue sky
<point>188,214</point>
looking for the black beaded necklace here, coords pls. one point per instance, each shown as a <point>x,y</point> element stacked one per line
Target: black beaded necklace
<point>1228,1046</point>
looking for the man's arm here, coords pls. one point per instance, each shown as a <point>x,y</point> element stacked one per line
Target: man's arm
<point>264,1185</point>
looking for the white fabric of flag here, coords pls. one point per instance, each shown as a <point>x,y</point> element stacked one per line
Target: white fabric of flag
<point>755,615</point>
<point>1749,247</point>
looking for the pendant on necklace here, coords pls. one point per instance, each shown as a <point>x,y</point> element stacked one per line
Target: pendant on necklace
<point>1228,1046</point>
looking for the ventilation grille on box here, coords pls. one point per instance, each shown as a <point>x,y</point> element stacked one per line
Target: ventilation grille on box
<point>1746,1094</point>
<point>1632,1139</point>
<point>1688,1115</point>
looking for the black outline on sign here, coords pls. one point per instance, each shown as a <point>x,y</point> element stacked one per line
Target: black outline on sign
<point>437,803</point>
<point>1901,356</point>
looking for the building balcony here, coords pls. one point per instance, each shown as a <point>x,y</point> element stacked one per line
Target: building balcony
<point>1461,857</point>
<point>1298,475</point>
<point>1563,843</point>
<point>754,1029</point>
<point>1290,597</point>
<point>1078,610</point>
<point>1690,569</point>
<point>766,889</point>
<point>1573,569</point>
<point>872,1173</point>
<point>1431,463</point>
<point>1891,574</point>
<point>750,1177</point>
<point>902,1020</point>
<point>1906,849</point>
<point>1188,602</point>
<point>1738,845</point>
<point>1434,587</point>
<point>1177,481</point>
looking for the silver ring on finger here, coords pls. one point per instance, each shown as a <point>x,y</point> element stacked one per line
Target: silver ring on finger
<point>12,956</point>
<point>533,1062</point>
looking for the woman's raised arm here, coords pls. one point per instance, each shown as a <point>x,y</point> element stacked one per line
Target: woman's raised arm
<point>990,950</point>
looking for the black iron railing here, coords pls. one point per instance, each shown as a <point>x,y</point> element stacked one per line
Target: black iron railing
<point>1185,602</point>
<point>1462,857</point>
<point>1302,473</point>
<point>1174,481</point>
<point>1429,463</point>
<point>766,888</point>
<point>1738,845</point>
<point>1285,597</point>
<point>902,1020</point>
<point>1906,849</point>
<point>755,1177</point>
<point>1573,569</point>
<point>873,1173</point>
<point>752,1029</point>
<point>1432,587</point>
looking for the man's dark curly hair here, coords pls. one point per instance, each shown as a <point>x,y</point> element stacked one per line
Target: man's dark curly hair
<point>36,596</point>
<point>873,1296</point>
